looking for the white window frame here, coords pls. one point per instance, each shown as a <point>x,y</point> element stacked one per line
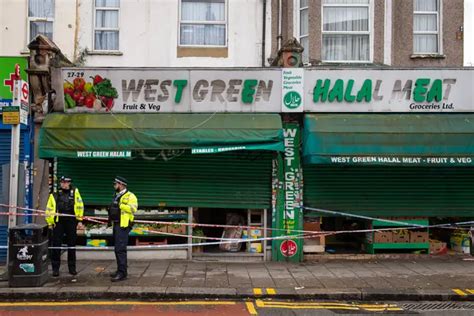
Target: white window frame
<point>226,14</point>
<point>37,19</point>
<point>94,28</point>
<point>297,25</point>
<point>439,15</point>
<point>370,6</point>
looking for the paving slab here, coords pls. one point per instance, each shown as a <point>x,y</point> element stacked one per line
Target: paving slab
<point>377,279</point>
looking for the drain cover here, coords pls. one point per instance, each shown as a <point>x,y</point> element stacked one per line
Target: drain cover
<point>438,306</point>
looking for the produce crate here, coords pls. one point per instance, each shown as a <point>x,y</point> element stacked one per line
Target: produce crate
<point>144,242</point>
<point>386,240</point>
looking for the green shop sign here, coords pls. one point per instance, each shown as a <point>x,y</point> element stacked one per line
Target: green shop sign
<point>219,149</point>
<point>103,154</point>
<point>288,217</point>
<point>395,160</point>
<point>424,90</point>
<point>7,66</point>
<point>370,90</point>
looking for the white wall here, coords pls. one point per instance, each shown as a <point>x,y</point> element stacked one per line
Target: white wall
<point>149,35</point>
<point>14,27</point>
<point>469,33</point>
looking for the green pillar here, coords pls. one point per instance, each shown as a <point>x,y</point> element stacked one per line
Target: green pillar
<point>288,190</point>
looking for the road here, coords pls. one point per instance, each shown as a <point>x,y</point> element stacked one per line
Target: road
<point>234,308</point>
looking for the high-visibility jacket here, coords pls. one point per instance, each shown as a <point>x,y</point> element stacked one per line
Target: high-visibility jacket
<point>52,213</point>
<point>128,205</point>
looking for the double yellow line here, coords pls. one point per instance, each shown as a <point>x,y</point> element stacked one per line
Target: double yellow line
<point>329,305</point>
<point>260,291</point>
<point>463,292</point>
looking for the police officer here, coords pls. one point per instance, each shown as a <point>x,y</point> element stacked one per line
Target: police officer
<point>67,200</point>
<point>121,211</point>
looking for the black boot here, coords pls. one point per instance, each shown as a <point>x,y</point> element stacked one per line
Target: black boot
<point>118,277</point>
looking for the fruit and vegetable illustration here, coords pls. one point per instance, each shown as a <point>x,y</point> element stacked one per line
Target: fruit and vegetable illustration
<point>98,95</point>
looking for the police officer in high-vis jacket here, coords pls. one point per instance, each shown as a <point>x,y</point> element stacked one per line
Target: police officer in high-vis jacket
<point>121,211</point>
<point>67,200</point>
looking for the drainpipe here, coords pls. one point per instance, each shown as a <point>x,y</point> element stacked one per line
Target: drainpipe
<point>280,37</point>
<point>76,31</point>
<point>264,30</point>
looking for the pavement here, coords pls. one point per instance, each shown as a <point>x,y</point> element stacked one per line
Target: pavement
<point>427,278</point>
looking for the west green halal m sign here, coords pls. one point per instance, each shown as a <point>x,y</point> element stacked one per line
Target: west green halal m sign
<point>155,90</point>
<point>366,90</point>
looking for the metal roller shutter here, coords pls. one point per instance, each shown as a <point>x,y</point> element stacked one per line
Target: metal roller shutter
<point>225,180</point>
<point>391,191</point>
<point>5,144</point>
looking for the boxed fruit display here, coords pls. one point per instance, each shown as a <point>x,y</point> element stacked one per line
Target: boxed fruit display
<point>401,236</point>
<point>96,243</point>
<point>419,237</point>
<point>177,229</point>
<point>459,242</point>
<point>383,237</point>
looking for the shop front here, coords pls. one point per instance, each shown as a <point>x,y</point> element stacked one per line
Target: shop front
<point>265,147</point>
<point>406,159</point>
<point>184,168</point>
<point>191,145</point>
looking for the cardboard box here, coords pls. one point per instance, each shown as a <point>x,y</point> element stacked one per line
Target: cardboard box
<point>96,243</point>
<point>254,234</point>
<point>438,247</point>
<point>383,237</point>
<point>459,242</point>
<point>419,237</point>
<point>401,237</point>
<point>255,247</point>
<point>177,229</point>
<point>312,226</point>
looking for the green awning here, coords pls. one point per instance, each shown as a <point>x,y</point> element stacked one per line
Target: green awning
<point>116,135</point>
<point>389,139</point>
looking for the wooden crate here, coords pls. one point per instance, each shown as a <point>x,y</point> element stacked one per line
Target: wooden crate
<point>146,242</point>
<point>314,245</point>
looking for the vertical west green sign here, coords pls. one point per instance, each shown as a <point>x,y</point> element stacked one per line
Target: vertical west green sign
<point>7,69</point>
<point>288,205</point>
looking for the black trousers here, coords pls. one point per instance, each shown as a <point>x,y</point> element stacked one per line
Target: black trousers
<point>121,242</point>
<point>64,227</point>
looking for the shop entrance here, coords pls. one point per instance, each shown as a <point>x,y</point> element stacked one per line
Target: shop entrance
<point>247,224</point>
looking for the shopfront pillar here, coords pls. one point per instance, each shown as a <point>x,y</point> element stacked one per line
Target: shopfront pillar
<point>288,212</point>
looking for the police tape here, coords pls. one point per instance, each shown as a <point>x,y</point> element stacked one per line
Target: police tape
<point>221,241</point>
<point>185,245</point>
<point>104,220</point>
<point>404,225</point>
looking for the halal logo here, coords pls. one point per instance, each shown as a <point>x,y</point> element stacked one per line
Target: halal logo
<point>292,100</point>
<point>23,254</point>
<point>288,248</point>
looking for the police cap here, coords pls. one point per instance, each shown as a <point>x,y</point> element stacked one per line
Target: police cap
<point>121,180</point>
